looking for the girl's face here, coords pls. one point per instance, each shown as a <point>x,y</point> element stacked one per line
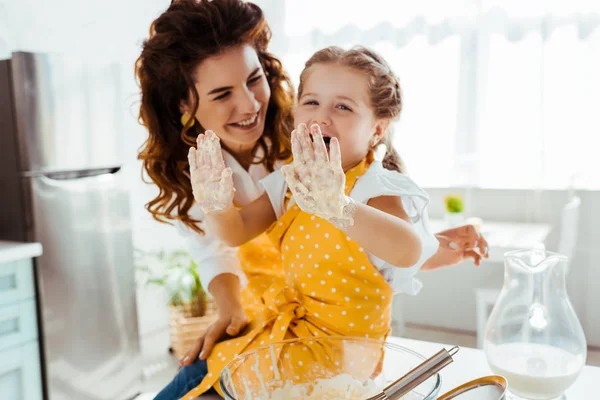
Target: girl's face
<point>234,96</point>
<point>336,98</point>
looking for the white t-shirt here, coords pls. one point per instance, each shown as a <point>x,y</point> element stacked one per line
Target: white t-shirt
<point>378,181</point>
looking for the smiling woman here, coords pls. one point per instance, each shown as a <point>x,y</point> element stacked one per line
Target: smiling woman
<point>234,97</point>
<point>209,61</point>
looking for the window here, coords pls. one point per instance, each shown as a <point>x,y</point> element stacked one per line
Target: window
<point>497,93</point>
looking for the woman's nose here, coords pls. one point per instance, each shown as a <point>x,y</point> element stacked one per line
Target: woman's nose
<point>247,103</point>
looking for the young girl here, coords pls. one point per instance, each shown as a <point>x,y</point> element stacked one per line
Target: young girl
<point>354,229</point>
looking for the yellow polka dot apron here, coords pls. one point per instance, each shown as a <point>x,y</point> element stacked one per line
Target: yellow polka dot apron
<point>261,263</point>
<point>330,289</point>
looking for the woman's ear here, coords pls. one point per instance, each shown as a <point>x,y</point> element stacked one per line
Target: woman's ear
<point>183,107</point>
<point>186,104</point>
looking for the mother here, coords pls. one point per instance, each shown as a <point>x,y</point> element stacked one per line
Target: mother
<point>206,66</point>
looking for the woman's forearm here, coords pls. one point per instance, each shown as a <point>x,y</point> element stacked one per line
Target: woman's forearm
<point>385,236</point>
<point>226,289</point>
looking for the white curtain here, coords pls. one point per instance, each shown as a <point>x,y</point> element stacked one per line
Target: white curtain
<point>497,93</point>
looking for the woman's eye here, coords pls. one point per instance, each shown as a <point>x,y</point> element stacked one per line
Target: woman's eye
<point>255,79</point>
<point>223,96</point>
<point>310,103</point>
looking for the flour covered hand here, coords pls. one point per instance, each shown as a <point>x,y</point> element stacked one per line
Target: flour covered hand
<point>212,182</point>
<point>317,179</point>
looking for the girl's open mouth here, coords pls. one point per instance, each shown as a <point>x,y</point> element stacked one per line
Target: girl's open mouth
<point>327,140</point>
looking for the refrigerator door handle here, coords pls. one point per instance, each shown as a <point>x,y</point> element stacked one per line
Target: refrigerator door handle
<point>62,178</point>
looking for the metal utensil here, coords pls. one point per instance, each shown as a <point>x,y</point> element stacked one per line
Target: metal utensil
<point>417,375</point>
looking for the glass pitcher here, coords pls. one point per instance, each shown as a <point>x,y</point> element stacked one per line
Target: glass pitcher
<point>533,336</point>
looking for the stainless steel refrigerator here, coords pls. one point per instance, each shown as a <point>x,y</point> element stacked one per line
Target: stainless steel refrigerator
<point>61,184</point>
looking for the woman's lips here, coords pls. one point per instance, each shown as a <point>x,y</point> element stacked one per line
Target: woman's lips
<point>247,124</point>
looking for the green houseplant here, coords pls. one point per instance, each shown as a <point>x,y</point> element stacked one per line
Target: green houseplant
<point>178,274</point>
<point>454,206</point>
<point>191,311</point>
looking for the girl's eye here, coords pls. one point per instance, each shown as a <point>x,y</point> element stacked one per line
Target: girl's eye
<point>311,103</point>
<point>344,107</point>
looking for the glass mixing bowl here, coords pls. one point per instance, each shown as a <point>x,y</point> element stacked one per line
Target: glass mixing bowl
<point>325,368</point>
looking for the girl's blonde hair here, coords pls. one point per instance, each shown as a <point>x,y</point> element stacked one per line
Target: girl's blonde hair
<point>384,88</point>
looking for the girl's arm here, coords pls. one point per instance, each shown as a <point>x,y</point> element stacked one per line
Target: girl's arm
<point>236,227</point>
<point>212,184</point>
<point>382,227</point>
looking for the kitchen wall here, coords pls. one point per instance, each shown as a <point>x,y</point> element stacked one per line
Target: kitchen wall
<point>113,30</point>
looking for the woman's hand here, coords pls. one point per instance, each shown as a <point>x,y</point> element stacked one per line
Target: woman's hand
<point>212,183</point>
<point>230,323</point>
<point>457,245</point>
<point>317,179</point>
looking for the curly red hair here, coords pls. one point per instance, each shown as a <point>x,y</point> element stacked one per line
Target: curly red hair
<point>187,33</point>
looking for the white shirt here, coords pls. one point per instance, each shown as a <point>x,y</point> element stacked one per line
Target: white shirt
<point>378,181</point>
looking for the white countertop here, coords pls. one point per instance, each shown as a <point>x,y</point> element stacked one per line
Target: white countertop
<point>14,251</point>
<point>470,364</point>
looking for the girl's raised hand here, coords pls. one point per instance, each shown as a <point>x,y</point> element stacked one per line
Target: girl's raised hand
<point>212,182</point>
<point>316,178</point>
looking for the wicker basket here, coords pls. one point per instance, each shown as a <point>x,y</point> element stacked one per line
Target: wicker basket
<point>185,327</point>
